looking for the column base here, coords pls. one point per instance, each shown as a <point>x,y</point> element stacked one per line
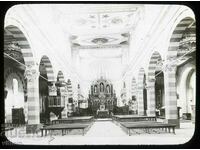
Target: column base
<point>64,113</point>
<point>151,113</point>
<point>141,113</point>
<point>70,114</point>
<point>33,128</point>
<point>173,121</point>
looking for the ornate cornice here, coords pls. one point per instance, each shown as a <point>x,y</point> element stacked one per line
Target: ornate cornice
<point>99,46</point>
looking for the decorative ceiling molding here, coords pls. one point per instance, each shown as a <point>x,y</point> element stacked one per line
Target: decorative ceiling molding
<point>69,9</point>
<point>103,21</point>
<point>99,46</point>
<point>101,41</point>
<point>93,19</point>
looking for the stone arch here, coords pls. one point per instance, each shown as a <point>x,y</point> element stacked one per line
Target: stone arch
<point>49,68</point>
<point>177,36</point>
<point>133,87</point>
<point>61,87</point>
<point>140,88</point>
<point>14,38</point>
<point>13,35</point>
<point>60,76</point>
<point>153,64</point>
<point>171,111</point>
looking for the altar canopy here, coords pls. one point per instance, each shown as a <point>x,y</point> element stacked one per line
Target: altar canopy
<point>102,98</point>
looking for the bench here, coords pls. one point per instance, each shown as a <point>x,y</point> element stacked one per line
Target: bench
<point>74,120</point>
<point>133,118</point>
<point>64,128</point>
<point>147,125</point>
<point>7,129</point>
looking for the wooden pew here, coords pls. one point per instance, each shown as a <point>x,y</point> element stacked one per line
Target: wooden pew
<point>133,118</point>
<point>74,120</point>
<point>147,125</point>
<point>65,127</point>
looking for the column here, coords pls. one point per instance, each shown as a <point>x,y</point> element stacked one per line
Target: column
<point>70,98</point>
<point>64,95</point>
<point>171,115</point>
<point>151,109</point>
<point>140,99</point>
<point>32,75</point>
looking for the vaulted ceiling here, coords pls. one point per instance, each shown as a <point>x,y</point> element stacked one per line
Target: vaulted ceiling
<point>94,26</point>
<point>98,34</point>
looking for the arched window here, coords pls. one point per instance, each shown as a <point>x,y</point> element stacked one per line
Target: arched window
<point>15,86</point>
<point>95,88</point>
<point>108,88</point>
<point>101,87</point>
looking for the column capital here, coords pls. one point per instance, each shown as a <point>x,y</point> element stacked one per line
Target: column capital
<point>151,79</point>
<point>63,91</point>
<point>150,86</point>
<point>170,64</point>
<point>171,67</point>
<point>31,73</point>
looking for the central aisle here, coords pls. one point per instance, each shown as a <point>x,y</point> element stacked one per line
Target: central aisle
<point>105,129</point>
<point>105,133</point>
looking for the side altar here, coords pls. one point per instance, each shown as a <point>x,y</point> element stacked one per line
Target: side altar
<point>102,98</point>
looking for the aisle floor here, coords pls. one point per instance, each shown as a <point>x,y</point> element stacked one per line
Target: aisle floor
<point>105,133</point>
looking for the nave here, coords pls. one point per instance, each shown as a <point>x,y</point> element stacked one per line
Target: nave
<point>69,68</point>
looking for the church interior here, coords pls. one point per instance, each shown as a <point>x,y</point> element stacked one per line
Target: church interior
<point>120,73</point>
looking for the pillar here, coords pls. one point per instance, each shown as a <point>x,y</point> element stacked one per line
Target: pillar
<point>70,96</point>
<point>151,108</point>
<point>32,75</point>
<point>140,100</point>
<point>64,95</point>
<point>171,114</point>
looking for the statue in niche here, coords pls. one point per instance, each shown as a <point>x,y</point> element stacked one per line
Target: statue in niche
<point>108,89</point>
<point>101,87</point>
<point>95,89</point>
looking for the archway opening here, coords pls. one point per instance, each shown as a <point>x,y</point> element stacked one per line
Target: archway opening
<point>15,62</point>
<point>190,95</point>
<point>43,94</point>
<point>160,94</point>
<point>191,92</point>
<point>145,95</point>
<point>185,72</point>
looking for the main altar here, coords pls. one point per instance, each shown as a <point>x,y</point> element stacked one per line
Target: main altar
<point>102,98</point>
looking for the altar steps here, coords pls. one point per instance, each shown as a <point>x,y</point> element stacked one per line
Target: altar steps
<point>103,119</point>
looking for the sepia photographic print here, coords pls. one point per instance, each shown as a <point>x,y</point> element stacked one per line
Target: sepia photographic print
<point>99,74</point>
